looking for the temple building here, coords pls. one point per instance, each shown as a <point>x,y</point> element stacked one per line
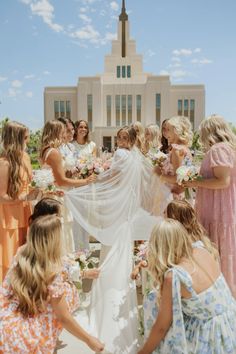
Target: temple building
<point>123,94</point>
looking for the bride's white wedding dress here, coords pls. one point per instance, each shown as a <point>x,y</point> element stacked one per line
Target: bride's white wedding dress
<point>121,207</point>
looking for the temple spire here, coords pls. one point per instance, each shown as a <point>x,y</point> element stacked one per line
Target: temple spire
<point>123,18</point>
<point>123,15</point>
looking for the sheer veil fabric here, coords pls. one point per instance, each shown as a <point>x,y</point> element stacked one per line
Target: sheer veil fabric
<point>123,206</point>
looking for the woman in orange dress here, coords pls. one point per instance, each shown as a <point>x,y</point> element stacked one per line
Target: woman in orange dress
<point>15,209</point>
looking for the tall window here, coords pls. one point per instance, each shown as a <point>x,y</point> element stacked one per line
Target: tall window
<point>180,107</point>
<point>108,110</point>
<point>158,109</point>
<point>118,72</point>
<point>129,71</point>
<point>186,108</point>
<point>130,99</point>
<point>62,109</point>
<point>117,110</point>
<point>139,107</point>
<point>192,112</point>
<point>123,71</point>
<point>123,102</point>
<point>90,111</point>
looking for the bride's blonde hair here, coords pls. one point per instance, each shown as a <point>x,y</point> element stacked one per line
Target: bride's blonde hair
<point>51,136</point>
<point>13,140</point>
<point>183,128</point>
<point>37,264</point>
<point>168,244</point>
<point>214,129</point>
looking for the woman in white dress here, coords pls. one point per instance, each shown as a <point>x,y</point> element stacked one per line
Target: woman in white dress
<point>51,157</point>
<point>84,147</point>
<point>118,210</point>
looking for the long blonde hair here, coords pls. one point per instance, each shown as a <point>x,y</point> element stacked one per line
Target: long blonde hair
<point>13,139</point>
<point>154,131</point>
<point>182,211</point>
<point>51,137</point>
<point>168,244</point>
<point>183,129</point>
<point>214,129</point>
<point>37,265</point>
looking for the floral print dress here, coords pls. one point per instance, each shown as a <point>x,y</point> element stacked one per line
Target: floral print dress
<point>36,334</point>
<point>203,324</point>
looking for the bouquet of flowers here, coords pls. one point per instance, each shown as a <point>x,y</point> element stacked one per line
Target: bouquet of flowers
<point>43,179</point>
<point>187,172</point>
<point>87,166</point>
<point>85,259</point>
<point>157,157</point>
<point>140,252</point>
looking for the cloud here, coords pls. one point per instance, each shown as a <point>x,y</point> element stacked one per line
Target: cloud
<point>12,92</point>
<point>45,10</point>
<point>164,72</point>
<point>46,72</point>
<point>2,78</point>
<point>85,18</point>
<point>150,53</point>
<point>86,32</point>
<point>179,74</point>
<point>26,2</point>
<point>83,9</point>
<point>31,76</point>
<point>114,6</point>
<point>16,83</point>
<point>203,61</point>
<point>185,52</point>
<point>182,52</point>
<point>110,36</point>
<point>29,94</point>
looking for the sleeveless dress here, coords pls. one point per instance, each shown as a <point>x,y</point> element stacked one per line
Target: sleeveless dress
<point>205,323</point>
<point>39,333</point>
<point>14,222</point>
<point>168,169</point>
<point>216,209</point>
<point>67,222</point>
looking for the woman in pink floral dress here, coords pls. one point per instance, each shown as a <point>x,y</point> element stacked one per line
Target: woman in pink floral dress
<point>36,300</point>
<point>216,193</point>
<point>179,134</point>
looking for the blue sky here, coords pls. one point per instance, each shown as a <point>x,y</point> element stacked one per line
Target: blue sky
<point>53,42</point>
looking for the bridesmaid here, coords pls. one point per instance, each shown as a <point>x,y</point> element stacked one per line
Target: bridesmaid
<point>51,157</point>
<point>216,192</point>
<point>179,135</point>
<point>15,207</point>
<point>84,147</point>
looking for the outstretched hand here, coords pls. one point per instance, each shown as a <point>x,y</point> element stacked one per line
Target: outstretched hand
<point>95,344</point>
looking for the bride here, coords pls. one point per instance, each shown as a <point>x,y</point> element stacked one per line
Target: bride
<point>117,210</point>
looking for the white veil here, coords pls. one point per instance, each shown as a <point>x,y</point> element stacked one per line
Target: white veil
<point>121,207</point>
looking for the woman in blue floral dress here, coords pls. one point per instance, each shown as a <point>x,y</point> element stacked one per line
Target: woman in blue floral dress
<point>197,313</point>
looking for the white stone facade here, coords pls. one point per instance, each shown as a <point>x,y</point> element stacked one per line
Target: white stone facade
<point>123,94</point>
